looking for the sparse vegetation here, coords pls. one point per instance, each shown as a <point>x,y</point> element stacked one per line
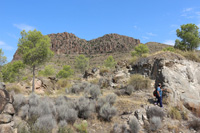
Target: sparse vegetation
<point>140,50</point>
<point>107,112</point>
<point>171,49</point>
<point>175,113</point>
<point>11,72</point>
<point>81,63</point>
<point>155,112</point>
<point>48,71</point>
<point>134,125</point>
<point>109,62</point>
<point>82,128</point>
<point>65,72</point>
<point>155,123</point>
<point>139,82</point>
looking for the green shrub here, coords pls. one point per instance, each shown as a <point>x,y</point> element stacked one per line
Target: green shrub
<point>109,62</point>
<point>65,72</point>
<point>175,113</point>
<point>133,60</point>
<point>171,49</point>
<point>12,71</point>
<point>140,50</point>
<point>48,71</point>
<point>81,63</point>
<point>63,83</point>
<point>82,128</point>
<point>139,82</point>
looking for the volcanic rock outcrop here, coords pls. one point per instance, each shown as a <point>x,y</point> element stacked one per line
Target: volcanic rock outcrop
<point>178,75</point>
<point>68,43</point>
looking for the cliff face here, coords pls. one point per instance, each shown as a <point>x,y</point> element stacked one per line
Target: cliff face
<point>68,43</point>
<point>178,75</point>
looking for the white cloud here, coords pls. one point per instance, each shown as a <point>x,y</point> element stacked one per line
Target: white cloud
<point>151,34</point>
<point>2,43</point>
<point>24,27</point>
<point>5,46</point>
<point>169,42</point>
<point>145,38</point>
<point>187,9</point>
<point>198,25</point>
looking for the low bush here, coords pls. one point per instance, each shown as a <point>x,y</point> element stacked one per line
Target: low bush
<point>14,88</point>
<point>75,89</point>
<point>195,124</point>
<point>155,112</point>
<point>63,83</point>
<point>19,101</point>
<point>155,123</point>
<point>95,91</point>
<point>171,49</point>
<point>119,128</point>
<point>82,128</point>
<point>65,72</point>
<point>107,112</point>
<point>48,71</point>
<point>134,125</point>
<point>45,123</point>
<point>111,98</point>
<point>190,55</point>
<point>129,89</point>
<point>46,107</point>
<point>66,113</point>
<point>175,113</point>
<point>85,107</point>
<point>23,112</point>
<point>139,82</point>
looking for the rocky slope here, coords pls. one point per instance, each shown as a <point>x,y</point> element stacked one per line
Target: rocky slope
<point>178,75</point>
<point>68,43</point>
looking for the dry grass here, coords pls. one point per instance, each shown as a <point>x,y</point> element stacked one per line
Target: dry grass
<point>173,128</point>
<point>140,82</point>
<point>14,88</point>
<point>190,55</point>
<point>175,113</point>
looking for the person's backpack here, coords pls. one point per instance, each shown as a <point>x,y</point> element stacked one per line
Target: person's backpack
<point>155,93</point>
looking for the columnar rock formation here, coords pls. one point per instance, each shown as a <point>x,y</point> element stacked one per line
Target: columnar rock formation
<point>6,111</point>
<point>68,43</point>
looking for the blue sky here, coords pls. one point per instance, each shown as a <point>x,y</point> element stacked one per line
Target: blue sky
<point>147,20</point>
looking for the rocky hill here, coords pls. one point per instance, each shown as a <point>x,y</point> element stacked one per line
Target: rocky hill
<point>68,43</point>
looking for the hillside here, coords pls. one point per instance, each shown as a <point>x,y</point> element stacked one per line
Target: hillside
<point>68,43</point>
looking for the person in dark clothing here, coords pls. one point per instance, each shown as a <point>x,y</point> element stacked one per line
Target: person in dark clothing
<point>159,95</point>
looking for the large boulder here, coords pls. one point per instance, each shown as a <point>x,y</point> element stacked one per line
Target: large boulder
<point>176,74</point>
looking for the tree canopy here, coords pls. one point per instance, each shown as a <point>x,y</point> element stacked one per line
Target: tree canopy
<point>11,71</point>
<point>140,50</point>
<point>2,58</point>
<point>34,49</point>
<point>81,63</point>
<point>109,62</point>
<point>190,37</point>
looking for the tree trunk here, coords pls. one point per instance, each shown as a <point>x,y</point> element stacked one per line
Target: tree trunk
<point>33,83</point>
